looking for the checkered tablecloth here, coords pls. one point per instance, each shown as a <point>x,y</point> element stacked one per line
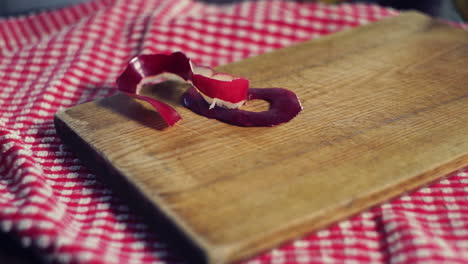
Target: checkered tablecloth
<point>57,59</point>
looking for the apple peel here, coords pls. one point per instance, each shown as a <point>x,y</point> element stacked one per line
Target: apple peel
<point>219,89</point>
<point>153,68</point>
<point>213,95</point>
<point>284,106</point>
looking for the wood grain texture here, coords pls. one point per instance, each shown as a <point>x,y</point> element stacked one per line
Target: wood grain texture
<point>385,111</point>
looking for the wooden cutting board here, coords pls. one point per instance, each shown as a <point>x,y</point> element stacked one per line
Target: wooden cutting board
<point>385,111</point>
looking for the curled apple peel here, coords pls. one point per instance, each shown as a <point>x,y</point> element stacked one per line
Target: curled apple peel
<point>145,69</point>
<point>222,93</point>
<point>284,106</point>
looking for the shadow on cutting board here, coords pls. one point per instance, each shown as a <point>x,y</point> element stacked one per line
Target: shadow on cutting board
<point>169,92</point>
<point>133,110</point>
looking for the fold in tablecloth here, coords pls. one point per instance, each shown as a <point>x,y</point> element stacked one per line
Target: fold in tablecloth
<point>58,59</point>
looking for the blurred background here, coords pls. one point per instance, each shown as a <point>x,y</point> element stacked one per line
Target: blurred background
<point>454,10</point>
<point>16,7</point>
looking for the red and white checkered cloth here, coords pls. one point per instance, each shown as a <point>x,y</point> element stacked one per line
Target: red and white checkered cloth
<point>53,60</point>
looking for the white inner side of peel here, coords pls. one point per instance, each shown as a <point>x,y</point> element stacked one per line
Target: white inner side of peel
<point>155,79</point>
<point>205,71</point>
<point>221,103</point>
<point>202,70</point>
<point>222,77</point>
<point>208,72</point>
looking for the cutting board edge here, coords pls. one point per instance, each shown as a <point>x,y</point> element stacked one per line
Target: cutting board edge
<point>352,207</point>
<point>175,232</point>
